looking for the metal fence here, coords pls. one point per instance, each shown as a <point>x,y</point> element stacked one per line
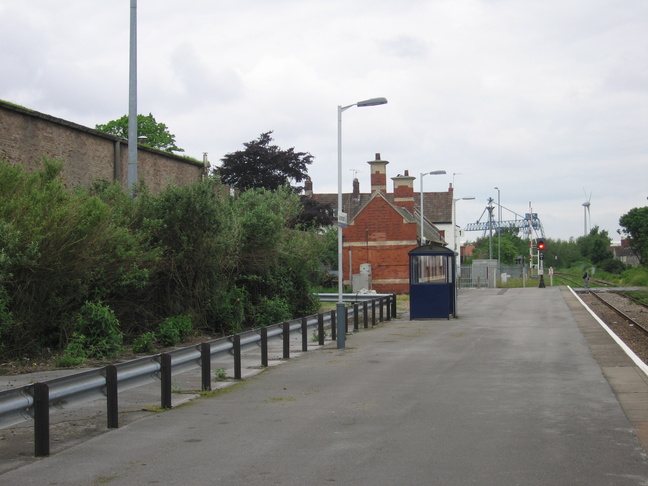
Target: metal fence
<point>485,273</point>
<point>35,401</point>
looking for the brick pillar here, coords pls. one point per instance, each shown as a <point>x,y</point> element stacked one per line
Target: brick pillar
<point>378,174</point>
<point>404,191</point>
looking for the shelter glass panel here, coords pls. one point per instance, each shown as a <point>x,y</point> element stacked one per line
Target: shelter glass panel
<point>429,269</point>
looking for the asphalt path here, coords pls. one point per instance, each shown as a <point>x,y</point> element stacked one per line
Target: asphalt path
<point>507,394</point>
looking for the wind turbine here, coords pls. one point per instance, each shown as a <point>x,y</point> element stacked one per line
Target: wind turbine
<point>586,210</point>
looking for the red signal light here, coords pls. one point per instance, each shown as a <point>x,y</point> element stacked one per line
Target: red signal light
<point>541,245</point>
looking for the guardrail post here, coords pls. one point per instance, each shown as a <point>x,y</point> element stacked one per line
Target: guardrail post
<point>393,306</point>
<point>264,346</point>
<point>112,401</point>
<point>365,314</point>
<point>320,329</point>
<point>381,305</point>
<point>355,316</point>
<point>236,341</point>
<point>333,326</point>
<point>373,312</point>
<point>304,330</point>
<point>388,308</point>
<point>41,420</point>
<point>286,340</point>
<point>165,378</point>
<point>205,366</point>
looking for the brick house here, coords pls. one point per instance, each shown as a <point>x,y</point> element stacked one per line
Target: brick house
<point>383,227</point>
<point>624,253</point>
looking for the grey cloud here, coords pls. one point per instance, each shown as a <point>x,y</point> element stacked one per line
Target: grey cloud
<point>220,85</point>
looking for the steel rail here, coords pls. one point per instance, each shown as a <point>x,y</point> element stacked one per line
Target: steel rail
<point>620,312</point>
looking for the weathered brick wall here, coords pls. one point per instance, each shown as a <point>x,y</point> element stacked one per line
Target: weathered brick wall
<point>89,155</point>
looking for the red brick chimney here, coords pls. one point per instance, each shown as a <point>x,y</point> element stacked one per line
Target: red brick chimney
<point>404,191</point>
<point>378,174</point>
<point>356,188</point>
<point>308,187</point>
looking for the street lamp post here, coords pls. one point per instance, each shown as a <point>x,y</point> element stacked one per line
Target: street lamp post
<point>340,314</point>
<point>132,99</point>
<point>499,234</point>
<point>434,172</point>
<point>454,219</point>
<point>454,239</point>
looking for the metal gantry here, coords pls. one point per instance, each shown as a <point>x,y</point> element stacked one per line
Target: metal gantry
<point>530,223</point>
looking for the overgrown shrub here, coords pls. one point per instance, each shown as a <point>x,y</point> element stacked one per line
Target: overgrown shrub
<point>636,277</point>
<point>60,248</point>
<point>612,265</point>
<point>75,352</point>
<point>144,343</point>
<point>173,330</point>
<point>70,256</point>
<point>271,311</point>
<point>98,329</point>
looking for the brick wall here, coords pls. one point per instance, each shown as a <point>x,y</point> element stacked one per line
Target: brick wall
<point>27,136</point>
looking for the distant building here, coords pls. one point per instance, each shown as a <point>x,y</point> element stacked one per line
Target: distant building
<point>383,227</point>
<point>625,254</point>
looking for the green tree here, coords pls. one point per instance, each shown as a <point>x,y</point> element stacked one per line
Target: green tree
<point>511,247</point>
<point>264,166</point>
<point>314,214</point>
<point>595,246</point>
<point>562,253</point>
<point>60,247</point>
<point>156,134</point>
<point>635,228</point>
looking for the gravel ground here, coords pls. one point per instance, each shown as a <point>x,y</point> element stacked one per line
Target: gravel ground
<point>635,338</point>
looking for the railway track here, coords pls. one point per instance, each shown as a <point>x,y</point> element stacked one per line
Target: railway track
<point>627,319</point>
<point>577,282</point>
<point>601,297</point>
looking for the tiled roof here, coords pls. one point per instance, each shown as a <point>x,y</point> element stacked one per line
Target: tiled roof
<point>437,205</point>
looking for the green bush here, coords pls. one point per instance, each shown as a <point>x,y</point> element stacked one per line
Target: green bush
<point>227,262</point>
<point>636,277</point>
<point>271,311</point>
<point>144,343</point>
<point>99,327</point>
<point>173,330</point>
<point>75,352</point>
<point>612,265</point>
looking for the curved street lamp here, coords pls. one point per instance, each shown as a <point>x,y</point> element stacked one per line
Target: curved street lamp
<point>341,320</point>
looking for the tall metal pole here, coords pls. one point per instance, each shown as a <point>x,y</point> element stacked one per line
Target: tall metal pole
<point>499,234</point>
<point>132,98</point>
<point>490,228</point>
<point>340,311</point>
<point>339,314</point>
<point>422,240</point>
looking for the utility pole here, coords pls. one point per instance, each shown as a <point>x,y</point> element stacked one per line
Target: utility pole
<point>132,98</point>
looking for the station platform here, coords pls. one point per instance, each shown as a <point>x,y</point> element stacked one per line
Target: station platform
<point>525,387</point>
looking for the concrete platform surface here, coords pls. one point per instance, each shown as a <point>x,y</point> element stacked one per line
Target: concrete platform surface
<point>510,393</point>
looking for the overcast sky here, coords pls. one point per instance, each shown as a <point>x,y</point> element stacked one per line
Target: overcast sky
<point>547,100</point>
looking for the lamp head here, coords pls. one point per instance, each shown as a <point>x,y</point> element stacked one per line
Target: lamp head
<point>372,102</point>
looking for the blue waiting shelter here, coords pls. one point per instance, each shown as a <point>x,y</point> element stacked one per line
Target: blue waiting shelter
<point>432,276</point>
